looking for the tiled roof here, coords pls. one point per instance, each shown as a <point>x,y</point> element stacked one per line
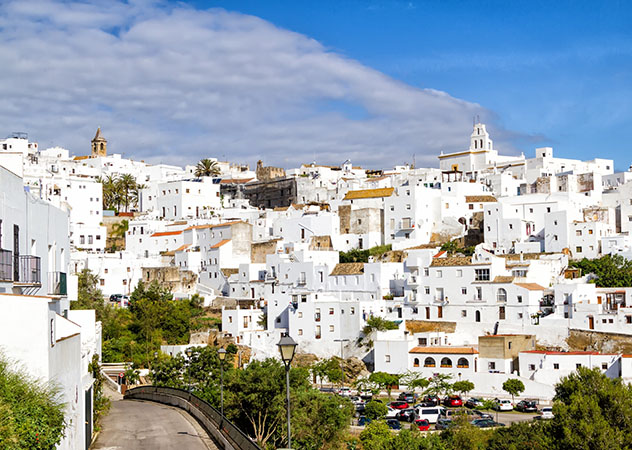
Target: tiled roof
<point>348,269</point>
<point>235,180</point>
<point>229,272</point>
<point>214,225</point>
<point>544,352</point>
<point>441,253</point>
<point>369,193</point>
<point>451,261</point>
<point>445,350</point>
<point>220,243</point>
<point>531,286</point>
<point>479,198</point>
<point>503,279</point>
<point>182,247</point>
<point>166,233</point>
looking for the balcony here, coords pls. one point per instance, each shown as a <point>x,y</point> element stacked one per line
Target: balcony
<point>57,283</point>
<point>6,265</point>
<point>406,224</point>
<point>28,271</point>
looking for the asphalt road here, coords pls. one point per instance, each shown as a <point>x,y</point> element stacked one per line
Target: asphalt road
<point>139,425</point>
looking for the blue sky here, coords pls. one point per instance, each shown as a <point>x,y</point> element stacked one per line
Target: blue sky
<point>560,71</point>
<point>294,81</point>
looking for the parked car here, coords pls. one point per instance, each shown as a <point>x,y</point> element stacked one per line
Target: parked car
<point>474,402</point>
<point>423,424</point>
<point>431,400</point>
<point>392,413</point>
<point>407,397</point>
<point>393,424</point>
<point>406,415</point>
<point>443,424</point>
<point>546,413</point>
<point>486,423</point>
<point>431,413</point>
<point>526,406</point>
<point>363,420</point>
<point>116,297</point>
<point>365,395</point>
<point>327,390</point>
<point>502,405</point>
<point>451,413</point>
<point>398,405</point>
<point>480,414</point>
<point>344,391</point>
<point>453,401</point>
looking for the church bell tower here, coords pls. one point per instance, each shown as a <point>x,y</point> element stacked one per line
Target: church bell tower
<point>99,145</point>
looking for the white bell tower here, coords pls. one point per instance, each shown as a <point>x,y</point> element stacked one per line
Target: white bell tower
<point>480,140</point>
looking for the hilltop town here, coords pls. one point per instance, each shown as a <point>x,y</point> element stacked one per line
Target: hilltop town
<point>475,265</point>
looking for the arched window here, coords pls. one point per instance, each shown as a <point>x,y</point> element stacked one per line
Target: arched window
<point>416,362</point>
<point>478,316</point>
<point>501,296</point>
<point>446,362</point>
<point>429,362</point>
<point>475,144</point>
<point>463,363</point>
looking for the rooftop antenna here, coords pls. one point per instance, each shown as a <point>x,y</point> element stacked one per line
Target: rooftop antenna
<point>413,161</point>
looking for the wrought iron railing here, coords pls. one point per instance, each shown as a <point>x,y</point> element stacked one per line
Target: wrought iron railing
<point>29,269</point>
<point>6,265</point>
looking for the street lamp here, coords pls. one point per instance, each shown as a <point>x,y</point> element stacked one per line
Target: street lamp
<point>287,347</point>
<point>189,352</point>
<point>221,353</point>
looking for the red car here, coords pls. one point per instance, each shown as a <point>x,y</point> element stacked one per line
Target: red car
<point>453,400</point>
<point>398,405</point>
<point>423,424</point>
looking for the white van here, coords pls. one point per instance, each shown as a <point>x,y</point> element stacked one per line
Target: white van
<point>429,413</point>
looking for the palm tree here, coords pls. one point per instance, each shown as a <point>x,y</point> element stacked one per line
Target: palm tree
<point>111,192</point>
<point>127,185</point>
<point>207,168</point>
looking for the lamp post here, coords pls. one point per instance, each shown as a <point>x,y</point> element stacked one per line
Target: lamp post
<point>221,353</point>
<point>287,347</point>
<point>189,352</point>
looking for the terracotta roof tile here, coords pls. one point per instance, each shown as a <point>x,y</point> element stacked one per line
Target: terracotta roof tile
<point>166,233</point>
<point>348,269</point>
<point>214,225</point>
<point>451,261</point>
<point>480,198</point>
<point>220,243</point>
<point>531,286</point>
<point>229,272</point>
<point>369,193</point>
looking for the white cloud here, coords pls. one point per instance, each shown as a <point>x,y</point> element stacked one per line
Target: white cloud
<point>174,84</point>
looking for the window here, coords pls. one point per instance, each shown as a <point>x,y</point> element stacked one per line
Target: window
<point>300,332</point>
<point>628,319</point>
<point>439,274</point>
<point>331,328</point>
<point>519,298</point>
<point>303,298</point>
<point>102,282</point>
<point>387,358</point>
<point>481,274</point>
<point>531,367</point>
<point>578,249</point>
<point>429,362</point>
<point>511,226</point>
<point>300,314</point>
<point>317,315</point>
<point>317,334</point>
<point>426,271</point>
<point>463,363</point>
<point>427,290</point>
<point>463,313</point>
<point>416,362</point>
<point>446,362</point>
<point>578,232</point>
<point>408,207</point>
<point>459,273</point>
<point>491,366</point>
<point>501,295</point>
<point>604,366</point>
<point>422,341</point>
<point>331,311</point>
<point>470,206</point>
<point>464,291</point>
<point>352,310</point>
<point>509,345</point>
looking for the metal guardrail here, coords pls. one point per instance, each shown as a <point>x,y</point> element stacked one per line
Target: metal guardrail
<point>226,433</point>
<point>6,265</point>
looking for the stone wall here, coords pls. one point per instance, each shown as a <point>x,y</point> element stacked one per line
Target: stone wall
<point>580,340</point>
<point>259,251</point>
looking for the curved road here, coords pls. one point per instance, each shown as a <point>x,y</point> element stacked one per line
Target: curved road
<point>139,425</point>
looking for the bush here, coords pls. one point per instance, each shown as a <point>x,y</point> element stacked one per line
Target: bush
<point>374,410</point>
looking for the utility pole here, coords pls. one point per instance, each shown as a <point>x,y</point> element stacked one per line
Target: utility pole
<point>342,341</point>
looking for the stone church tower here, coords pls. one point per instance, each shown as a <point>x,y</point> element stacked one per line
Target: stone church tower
<point>99,145</point>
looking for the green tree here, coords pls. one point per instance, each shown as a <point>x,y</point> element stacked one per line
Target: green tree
<point>414,380</point>
<point>89,296</point>
<point>127,187</point>
<point>376,436</point>
<point>609,270</point>
<point>319,420</point>
<point>439,384</point>
<point>101,401</point>
<point>513,386</point>
<point>385,381</point>
<point>592,411</point>
<point>523,436</point>
<point>463,387</point>
<point>119,229</point>
<point>207,168</point>
<point>111,192</point>
<point>31,416</point>
<point>375,410</point>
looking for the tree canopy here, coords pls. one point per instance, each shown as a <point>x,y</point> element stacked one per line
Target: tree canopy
<point>207,168</point>
<point>609,270</point>
<point>513,386</point>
